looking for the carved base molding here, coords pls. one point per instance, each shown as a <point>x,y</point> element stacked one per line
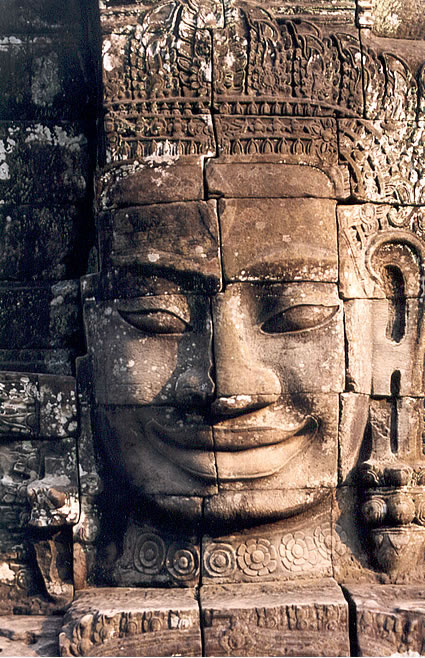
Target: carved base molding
<point>275,620</point>
<point>389,619</point>
<point>234,620</point>
<point>309,618</point>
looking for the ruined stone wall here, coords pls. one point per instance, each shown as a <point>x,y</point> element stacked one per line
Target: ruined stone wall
<point>47,141</point>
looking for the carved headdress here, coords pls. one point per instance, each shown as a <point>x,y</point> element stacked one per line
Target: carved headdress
<point>205,77</point>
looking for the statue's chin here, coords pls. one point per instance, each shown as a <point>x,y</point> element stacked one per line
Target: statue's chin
<point>231,510</point>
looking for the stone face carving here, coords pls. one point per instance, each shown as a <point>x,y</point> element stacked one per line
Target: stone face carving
<point>250,410</point>
<point>254,340</point>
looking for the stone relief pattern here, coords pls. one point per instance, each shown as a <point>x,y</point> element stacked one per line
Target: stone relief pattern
<point>385,160</point>
<point>313,141</point>
<point>94,630</point>
<point>275,556</point>
<point>404,632</point>
<point>148,558</point>
<point>160,92</point>
<point>264,69</point>
<point>18,406</point>
<point>241,634</point>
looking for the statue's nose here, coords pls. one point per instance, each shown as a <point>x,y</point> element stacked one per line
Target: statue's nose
<point>243,382</point>
<point>195,388</point>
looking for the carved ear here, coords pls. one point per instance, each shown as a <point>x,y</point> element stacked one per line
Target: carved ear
<point>395,261</point>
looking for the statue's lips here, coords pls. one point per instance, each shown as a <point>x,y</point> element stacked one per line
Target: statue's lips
<point>230,453</point>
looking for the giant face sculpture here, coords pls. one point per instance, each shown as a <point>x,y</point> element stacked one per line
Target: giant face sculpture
<point>236,389</point>
<point>256,328</point>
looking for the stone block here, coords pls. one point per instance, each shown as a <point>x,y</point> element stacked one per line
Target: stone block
<point>32,635</point>
<point>15,63</point>
<point>161,451</point>
<point>352,555</point>
<point>389,364</point>
<point>234,509</point>
<point>271,620</point>
<point>397,356</point>
<point>38,243</point>
<point>358,325</point>
<point>155,180</point>
<point>43,78</point>
<point>288,332</point>
<point>395,19</point>
<point>40,316</point>
<point>390,619</point>
<point>284,446</point>
<point>180,237</point>
<point>139,622</point>
<point>396,426</point>
<point>135,281</point>
<point>42,163</point>
<point>144,136</point>
<point>252,178</point>
<point>250,126</point>
<point>59,78</point>
<point>354,415</point>
<point>133,75</point>
<point>264,239</point>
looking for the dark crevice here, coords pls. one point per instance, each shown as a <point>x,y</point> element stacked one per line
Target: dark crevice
<point>198,589</point>
<point>395,392</point>
<point>366,444</point>
<point>214,378</point>
<point>352,623</point>
<point>396,294</point>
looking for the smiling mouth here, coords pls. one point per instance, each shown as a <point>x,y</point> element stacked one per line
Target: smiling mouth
<point>230,453</point>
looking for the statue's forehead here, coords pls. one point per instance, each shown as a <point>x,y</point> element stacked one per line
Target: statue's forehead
<point>279,239</point>
<point>260,236</point>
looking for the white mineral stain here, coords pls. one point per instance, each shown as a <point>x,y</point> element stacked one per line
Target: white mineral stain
<point>165,154</point>
<point>4,171</point>
<point>6,573</point>
<point>108,63</point>
<point>55,137</point>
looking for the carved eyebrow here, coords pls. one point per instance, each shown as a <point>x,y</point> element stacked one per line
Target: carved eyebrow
<point>190,281</point>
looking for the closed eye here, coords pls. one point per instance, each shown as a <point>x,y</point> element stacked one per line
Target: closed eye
<point>299,318</point>
<point>155,321</point>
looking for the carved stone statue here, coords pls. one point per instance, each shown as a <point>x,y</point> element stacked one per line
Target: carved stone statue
<point>255,330</point>
<point>252,402</point>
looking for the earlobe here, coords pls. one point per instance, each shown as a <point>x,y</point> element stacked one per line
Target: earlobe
<point>398,254</point>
